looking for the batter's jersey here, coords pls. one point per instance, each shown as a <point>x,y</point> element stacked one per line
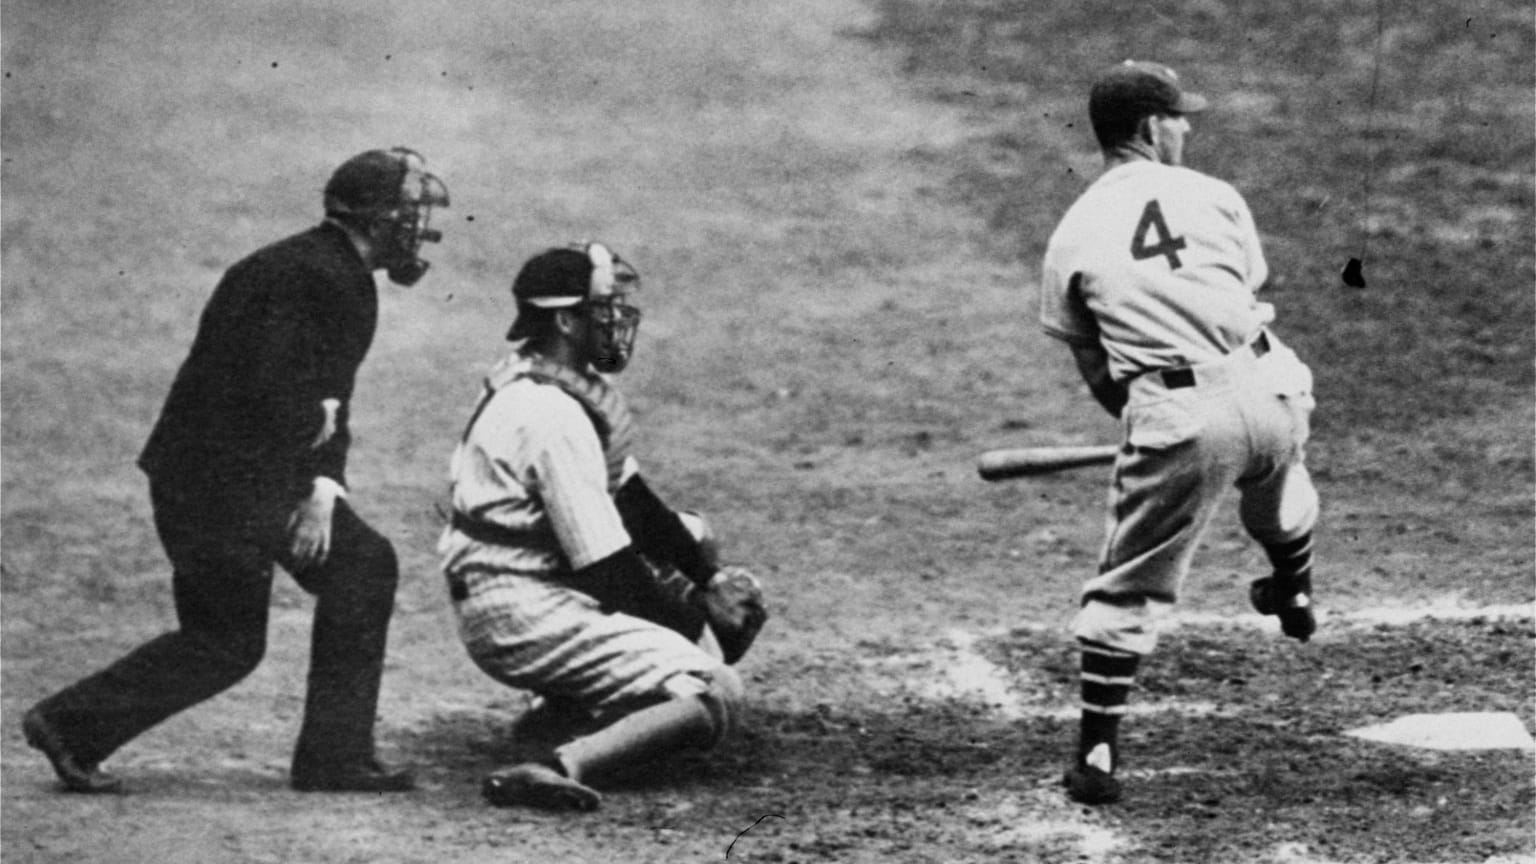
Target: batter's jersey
<point>1157,263</point>
<point>532,466</point>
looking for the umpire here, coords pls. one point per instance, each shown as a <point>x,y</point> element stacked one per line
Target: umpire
<point>246,468</point>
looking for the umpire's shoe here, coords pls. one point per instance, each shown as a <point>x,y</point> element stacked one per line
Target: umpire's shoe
<point>1292,604</point>
<point>1090,780</point>
<point>76,775</point>
<point>363,775</point>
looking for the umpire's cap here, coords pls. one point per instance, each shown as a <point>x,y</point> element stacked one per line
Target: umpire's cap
<point>566,276</point>
<point>1136,89</point>
<point>375,182</point>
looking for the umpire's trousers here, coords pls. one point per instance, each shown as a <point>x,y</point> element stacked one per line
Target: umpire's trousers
<point>222,551</point>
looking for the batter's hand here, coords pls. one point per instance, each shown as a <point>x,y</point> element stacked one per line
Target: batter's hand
<point>733,603</point>
<point>309,528</point>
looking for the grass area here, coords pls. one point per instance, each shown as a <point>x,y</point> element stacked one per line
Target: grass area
<point>1399,135</point>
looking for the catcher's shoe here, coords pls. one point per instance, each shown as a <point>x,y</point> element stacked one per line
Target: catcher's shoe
<point>533,784</point>
<point>1294,608</point>
<point>1089,783</point>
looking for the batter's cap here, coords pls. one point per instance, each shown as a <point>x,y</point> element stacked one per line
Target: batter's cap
<point>565,276</point>
<point>1136,89</point>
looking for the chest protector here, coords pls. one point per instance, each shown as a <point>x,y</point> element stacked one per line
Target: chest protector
<point>604,405</point>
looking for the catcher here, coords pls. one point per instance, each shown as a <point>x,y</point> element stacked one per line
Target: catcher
<point>570,578</point>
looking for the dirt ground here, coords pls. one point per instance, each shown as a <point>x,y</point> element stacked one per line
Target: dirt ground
<point>838,209</point>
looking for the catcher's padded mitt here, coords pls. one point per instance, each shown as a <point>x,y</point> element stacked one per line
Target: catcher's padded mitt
<point>733,603</point>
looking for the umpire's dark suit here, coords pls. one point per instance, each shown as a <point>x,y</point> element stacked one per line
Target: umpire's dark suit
<point>229,460</point>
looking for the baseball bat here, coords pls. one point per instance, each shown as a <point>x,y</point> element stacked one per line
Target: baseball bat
<point>1007,463</point>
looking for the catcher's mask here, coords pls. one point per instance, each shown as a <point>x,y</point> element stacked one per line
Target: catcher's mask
<point>590,280</point>
<point>390,194</point>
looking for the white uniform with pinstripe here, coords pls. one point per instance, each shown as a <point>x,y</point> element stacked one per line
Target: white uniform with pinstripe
<point>532,465</point>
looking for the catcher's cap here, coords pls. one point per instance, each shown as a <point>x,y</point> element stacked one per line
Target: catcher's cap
<point>567,276</point>
<point>378,181</point>
<point>1136,89</point>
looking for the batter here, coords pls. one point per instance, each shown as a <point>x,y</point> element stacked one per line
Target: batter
<point>1151,280</point>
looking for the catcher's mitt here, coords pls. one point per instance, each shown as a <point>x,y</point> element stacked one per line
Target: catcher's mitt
<point>733,603</point>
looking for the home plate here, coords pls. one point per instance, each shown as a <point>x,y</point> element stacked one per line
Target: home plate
<point>1476,730</point>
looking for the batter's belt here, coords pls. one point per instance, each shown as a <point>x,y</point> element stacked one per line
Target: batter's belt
<point>1180,377</point>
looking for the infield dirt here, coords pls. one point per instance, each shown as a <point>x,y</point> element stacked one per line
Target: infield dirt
<point>838,209</point>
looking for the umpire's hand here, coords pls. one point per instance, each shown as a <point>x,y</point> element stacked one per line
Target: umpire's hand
<point>309,528</point>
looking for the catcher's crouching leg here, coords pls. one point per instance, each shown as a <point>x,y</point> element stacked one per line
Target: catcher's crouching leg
<point>698,712</point>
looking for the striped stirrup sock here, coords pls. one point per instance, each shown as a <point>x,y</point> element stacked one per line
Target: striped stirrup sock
<point>1107,677</point>
<point>1292,561</point>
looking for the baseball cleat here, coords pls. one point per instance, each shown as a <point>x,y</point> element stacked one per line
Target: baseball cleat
<point>1294,611</point>
<point>77,776</point>
<point>532,784</point>
<point>1088,783</point>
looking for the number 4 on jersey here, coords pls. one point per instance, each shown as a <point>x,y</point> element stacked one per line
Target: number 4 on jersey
<point>1167,244</point>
